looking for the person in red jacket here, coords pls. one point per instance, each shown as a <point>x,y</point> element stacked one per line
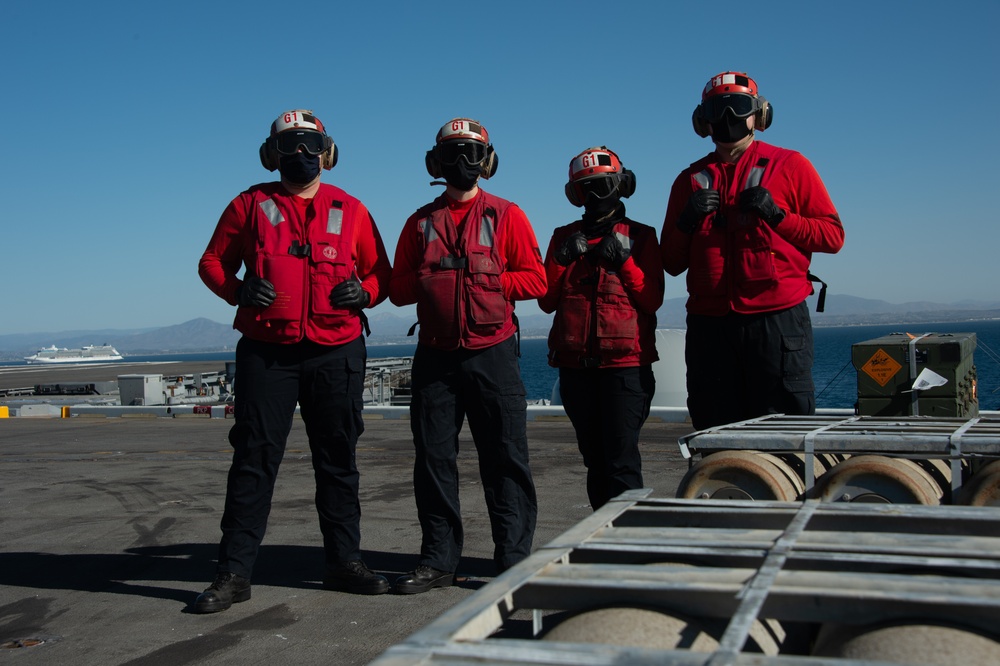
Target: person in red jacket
<point>605,283</point>
<point>464,259</point>
<point>743,222</point>
<point>314,260</point>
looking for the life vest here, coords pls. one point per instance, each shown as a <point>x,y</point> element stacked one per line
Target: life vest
<point>462,303</point>
<point>595,322</point>
<point>745,262</point>
<point>304,258</point>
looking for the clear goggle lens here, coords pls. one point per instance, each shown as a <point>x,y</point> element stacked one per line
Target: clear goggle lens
<point>601,187</point>
<point>288,143</point>
<point>741,106</point>
<point>449,152</point>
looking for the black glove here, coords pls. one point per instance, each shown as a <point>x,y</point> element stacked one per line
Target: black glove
<point>571,249</point>
<point>757,200</point>
<point>610,249</point>
<point>255,292</point>
<point>349,294</point>
<point>700,204</point>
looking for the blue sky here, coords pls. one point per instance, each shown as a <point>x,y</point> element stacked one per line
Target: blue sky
<point>130,126</point>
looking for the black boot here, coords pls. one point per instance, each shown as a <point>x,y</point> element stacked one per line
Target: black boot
<point>228,589</point>
<point>422,579</point>
<point>356,578</point>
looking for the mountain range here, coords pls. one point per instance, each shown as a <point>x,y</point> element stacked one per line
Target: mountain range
<point>388,328</point>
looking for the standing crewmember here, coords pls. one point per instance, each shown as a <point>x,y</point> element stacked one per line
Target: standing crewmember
<point>605,283</point>
<point>464,259</point>
<point>314,260</point>
<point>743,222</point>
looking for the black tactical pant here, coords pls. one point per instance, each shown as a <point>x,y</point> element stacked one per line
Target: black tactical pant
<point>607,407</point>
<point>485,386</point>
<point>327,383</point>
<point>743,366</point>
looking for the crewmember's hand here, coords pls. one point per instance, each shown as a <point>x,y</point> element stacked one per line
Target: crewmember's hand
<point>758,200</point>
<point>699,205</point>
<point>255,292</point>
<point>571,249</point>
<point>611,249</point>
<point>349,294</point>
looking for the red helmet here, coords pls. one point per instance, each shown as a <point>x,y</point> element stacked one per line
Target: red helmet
<point>462,138</point>
<point>294,130</point>
<point>598,171</point>
<point>735,92</point>
<point>730,82</point>
<point>463,128</point>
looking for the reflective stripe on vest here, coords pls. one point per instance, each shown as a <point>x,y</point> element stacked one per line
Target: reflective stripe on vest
<point>756,173</point>
<point>271,212</point>
<point>335,220</point>
<point>427,227</point>
<point>487,228</point>
<point>624,240</point>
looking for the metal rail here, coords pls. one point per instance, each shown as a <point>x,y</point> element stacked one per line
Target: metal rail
<point>734,562</point>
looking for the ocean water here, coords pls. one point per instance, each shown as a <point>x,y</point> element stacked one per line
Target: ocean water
<point>833,372</point>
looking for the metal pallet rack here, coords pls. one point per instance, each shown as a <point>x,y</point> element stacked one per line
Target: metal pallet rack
<point>952,439</point>
<point>736,562</point>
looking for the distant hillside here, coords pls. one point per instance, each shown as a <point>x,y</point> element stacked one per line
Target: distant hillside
<point>389,328</point>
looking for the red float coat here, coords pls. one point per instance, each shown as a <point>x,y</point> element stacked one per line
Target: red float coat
<point>304,247</point>
<point>604,318</point>
<point>464,263</point>
<point>744,265</point>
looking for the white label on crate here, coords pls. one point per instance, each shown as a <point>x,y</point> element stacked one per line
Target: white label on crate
<point>928,379</point>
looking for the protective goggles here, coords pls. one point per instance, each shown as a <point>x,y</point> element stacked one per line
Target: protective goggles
<point>288,143</point>
<point>474,152</point>
<point>601,187</point>
<point>741,106</point>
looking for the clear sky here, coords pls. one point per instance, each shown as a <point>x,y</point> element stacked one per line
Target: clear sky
<point>130,126</point>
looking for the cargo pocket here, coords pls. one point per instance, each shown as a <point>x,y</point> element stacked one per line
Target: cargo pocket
<point>796,364</point>
<point>756,268</point>
<point>487,305</point>
<point>571,324</point>
<point>328,270</point>
<point>436,307</point>
<point>616,318</point>
<point>355,390</point>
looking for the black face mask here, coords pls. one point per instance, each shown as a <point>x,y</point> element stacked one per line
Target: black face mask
<point>599,218</point>
<point>461,175</point>
<point>300,168</point>
<point>729,128</point>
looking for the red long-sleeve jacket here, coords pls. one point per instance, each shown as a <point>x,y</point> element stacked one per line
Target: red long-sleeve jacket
<point>522,276</point>
<point>736,262</point>
<point>602,314</point>
<point>257,230</point>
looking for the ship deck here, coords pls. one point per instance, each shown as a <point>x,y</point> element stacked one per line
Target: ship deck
<point>110,530</point>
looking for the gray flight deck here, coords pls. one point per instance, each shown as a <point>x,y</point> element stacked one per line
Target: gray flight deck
<point>110,526</point>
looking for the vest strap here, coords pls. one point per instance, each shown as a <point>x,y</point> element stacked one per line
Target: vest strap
<point>454,263</point>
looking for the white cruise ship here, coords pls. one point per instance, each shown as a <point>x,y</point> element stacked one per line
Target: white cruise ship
<point>88,354</point>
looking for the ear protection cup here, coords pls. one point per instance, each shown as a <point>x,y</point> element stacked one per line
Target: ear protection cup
<point>268,157</point>
<point>329,159</point>
<point>571,195</point>
<point>433,166</point>
<point>762,119</point>
<point>700,126</point>
<point>626,184</point>
<point>491,163</point>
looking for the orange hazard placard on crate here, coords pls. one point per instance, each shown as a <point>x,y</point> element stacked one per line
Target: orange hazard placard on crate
<point>881,367</point>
